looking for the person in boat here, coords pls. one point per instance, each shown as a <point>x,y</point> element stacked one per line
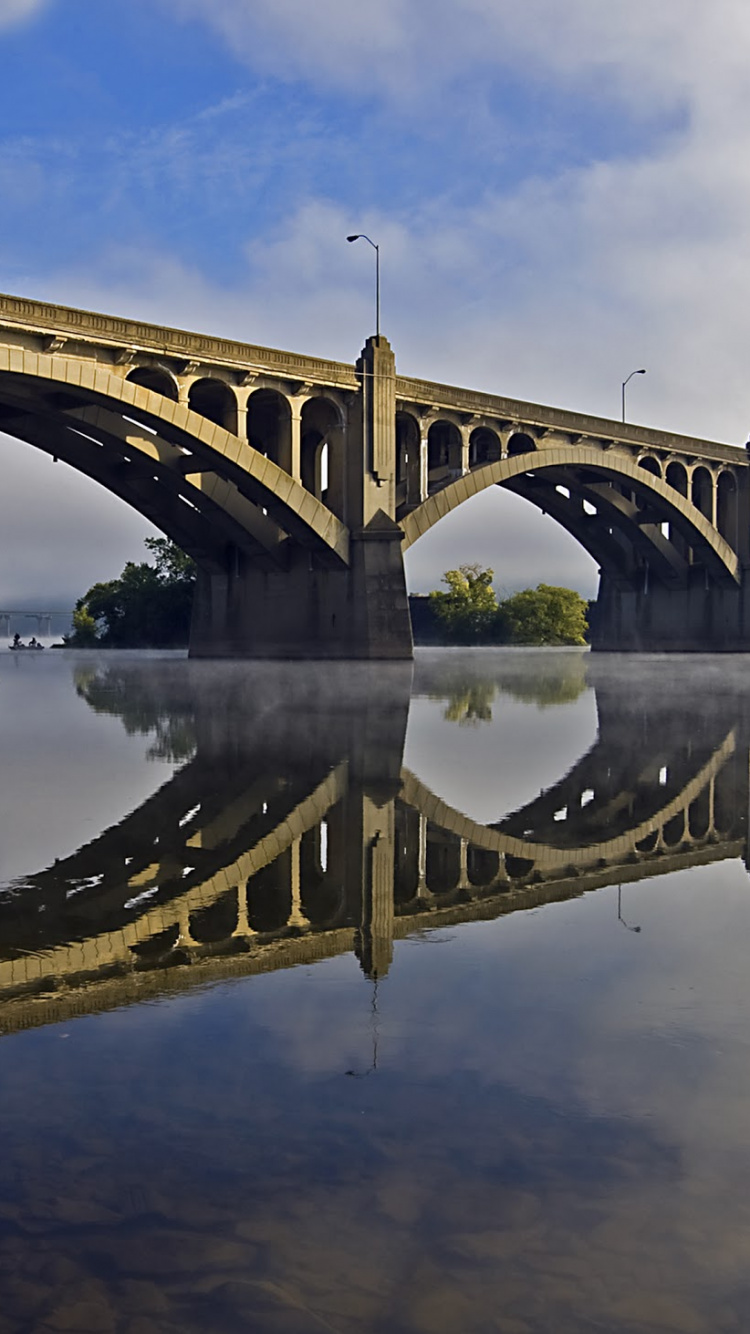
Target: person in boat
<point>16,640</point>
<point>33,642</point>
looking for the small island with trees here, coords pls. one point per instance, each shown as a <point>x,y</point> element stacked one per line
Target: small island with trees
<point>470,613</point>
<point>149,606</point>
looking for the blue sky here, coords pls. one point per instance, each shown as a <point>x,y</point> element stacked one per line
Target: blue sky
<point>560,192</point>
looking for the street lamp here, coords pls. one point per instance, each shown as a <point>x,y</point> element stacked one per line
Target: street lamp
<point>632,373</point>
<point>360,236</point>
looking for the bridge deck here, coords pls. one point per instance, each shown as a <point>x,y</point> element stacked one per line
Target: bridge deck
<point>116,334</point>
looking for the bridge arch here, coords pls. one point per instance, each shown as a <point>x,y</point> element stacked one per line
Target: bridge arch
<point>198,482</point>
<point>523,852</point>
<point>603,478</point>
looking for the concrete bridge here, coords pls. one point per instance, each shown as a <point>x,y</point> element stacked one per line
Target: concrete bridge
<point>231,868</point>
<point>297,483</point>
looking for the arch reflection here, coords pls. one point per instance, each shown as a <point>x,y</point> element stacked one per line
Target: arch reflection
<point>293,832</point>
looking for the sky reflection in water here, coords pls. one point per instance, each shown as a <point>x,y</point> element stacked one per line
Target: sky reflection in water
<point>477,1101</point>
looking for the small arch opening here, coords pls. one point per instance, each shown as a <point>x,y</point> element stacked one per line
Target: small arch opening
<point>677,477</point>
<point>443,870</point>
<point>484,447</point>
<point>322,897</point>
<point>482,865</point>
<point>215,400</point>
<point>405,853</point>
<point>650,464</point>
<point>320,420</point>
<point>520,443</point>
<point>701,492</point>
<point>217,922</point>
<point>725,799</point>
<point>158,381</point>
<point>269,896</point>
<point>699,815</point>
<point>443,454</point>
<point>518,868</point>
<point>726,507</point>
<point>408,448</point>
<point>649,842</point>
<point>269,426</point>
<point>674,830</point>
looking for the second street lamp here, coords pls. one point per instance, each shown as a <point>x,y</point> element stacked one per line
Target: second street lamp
<point>626,381</point>
<point>360,236</point>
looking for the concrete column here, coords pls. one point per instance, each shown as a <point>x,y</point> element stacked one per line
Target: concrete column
<point>183,922</point>
<point>243,927</point>
<point>424,459</point>
<point>422,891</point>
<point>296,917</point>
<point>295,462</point>
<point>714,495</point>
<point>463,864</point>
<point>241,410</point>
<point>465,433</point>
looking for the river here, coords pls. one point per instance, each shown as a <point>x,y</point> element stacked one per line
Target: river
<point>374,999</point>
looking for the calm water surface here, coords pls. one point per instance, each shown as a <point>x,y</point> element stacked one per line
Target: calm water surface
<point>352,999</point>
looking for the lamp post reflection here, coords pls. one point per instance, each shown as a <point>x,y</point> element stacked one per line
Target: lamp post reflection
<point>620,917</point>
<point>362,1074</point>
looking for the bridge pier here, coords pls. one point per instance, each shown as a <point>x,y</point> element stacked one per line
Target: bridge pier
<point>702,617</point>
<point>306,612</point>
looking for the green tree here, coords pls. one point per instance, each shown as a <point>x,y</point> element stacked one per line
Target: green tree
<point>544,615</point>
<point>468,611</point>
<point>148,606</point>
<point>84,627</point>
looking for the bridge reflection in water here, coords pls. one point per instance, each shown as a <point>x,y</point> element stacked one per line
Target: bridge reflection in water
<point>293,832</point>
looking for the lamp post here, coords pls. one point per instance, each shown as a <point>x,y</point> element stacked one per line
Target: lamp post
<point>627,381</point>
<point>360,236</point>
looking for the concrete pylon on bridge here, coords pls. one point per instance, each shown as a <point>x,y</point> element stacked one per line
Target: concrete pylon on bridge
<point>310,605</point>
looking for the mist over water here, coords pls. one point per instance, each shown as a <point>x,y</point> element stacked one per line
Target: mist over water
<point>374,998</point>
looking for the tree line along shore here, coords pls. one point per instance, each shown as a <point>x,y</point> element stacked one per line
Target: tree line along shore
<point>149,606</point>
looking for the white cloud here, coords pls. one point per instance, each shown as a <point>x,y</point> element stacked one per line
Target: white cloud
<point>650,54</point>
<point>17,11</point>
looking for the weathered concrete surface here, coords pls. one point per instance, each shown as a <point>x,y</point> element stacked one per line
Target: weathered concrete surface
<point>358,612</point>
<point>700,618</point>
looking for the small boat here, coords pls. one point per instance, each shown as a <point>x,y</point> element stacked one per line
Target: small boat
<point>26,648</point>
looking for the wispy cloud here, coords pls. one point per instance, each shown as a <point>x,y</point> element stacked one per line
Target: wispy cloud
<point>18,11</point>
